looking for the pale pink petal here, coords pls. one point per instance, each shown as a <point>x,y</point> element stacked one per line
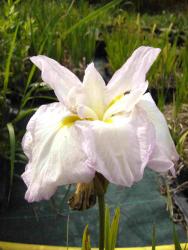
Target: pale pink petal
<point>132,72</point>
<point>85,112</point>
<point>78,103</point>
<point>90,97</point>
<point>27,143</point>
<point>75,97</point>
<point>94,90</point>
<point>55,155</point>
<point>59,78</point>
<point>119,150</point>
<point>127,102</point>
<point>164,155</point>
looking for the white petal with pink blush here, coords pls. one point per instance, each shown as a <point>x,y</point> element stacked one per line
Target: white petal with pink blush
<point>114,129</point>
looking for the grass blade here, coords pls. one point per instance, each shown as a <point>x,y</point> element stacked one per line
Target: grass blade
<point>51,24</point>
<point>23,113</point>
<point>12,141</point>
<point>153,238</point>
<point>8,62</point>
<point>33,69</point>
<point>176,239</point>
<point>107,229</point>
<point>114,228</point>
<point>86,240</point>
<point>92,16</point>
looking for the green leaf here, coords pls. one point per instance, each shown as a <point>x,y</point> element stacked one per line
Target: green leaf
<point>28,94</point>
<point>49,26</point>
<point>114,229</point>
<point>33,68</point>
<point>176,239</point>
<point>86,240</point>
<point>169,201</point>
<point>12,141</point>
<point>107,229</point>
<point>94,14</point>
<point>8,62</point>
<point>23,113</point>
<point>153,238</point>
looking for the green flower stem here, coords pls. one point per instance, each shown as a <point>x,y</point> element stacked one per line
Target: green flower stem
<point>101,204</point>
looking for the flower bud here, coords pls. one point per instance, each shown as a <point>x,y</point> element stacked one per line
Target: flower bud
<point>84,197</point>
<point>85,194</point>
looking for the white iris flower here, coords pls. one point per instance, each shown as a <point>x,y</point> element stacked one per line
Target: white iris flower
<point>115,129</point>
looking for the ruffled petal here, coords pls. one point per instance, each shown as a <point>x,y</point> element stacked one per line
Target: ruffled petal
<point>59,78</point>
<point>88,101</point>
<point>164,155</point>
<point>27,143</point>
<point>127,102</point>
<point>132,72</point>
<point>94,90</point>
<point>55,153</point>
<point>119,150</point>
<point>85,112</point>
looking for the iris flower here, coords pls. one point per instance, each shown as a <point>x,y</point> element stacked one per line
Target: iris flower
<point>114,129</point>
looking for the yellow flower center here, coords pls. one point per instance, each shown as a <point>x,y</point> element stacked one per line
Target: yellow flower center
<point>70,120</point>
<point>117,98</point>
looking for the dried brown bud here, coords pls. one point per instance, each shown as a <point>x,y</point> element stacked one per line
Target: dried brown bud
<point>85,194</point>
<point>84,197</point>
